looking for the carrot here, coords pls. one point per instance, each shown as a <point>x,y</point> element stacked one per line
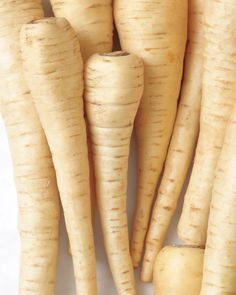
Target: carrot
<point>219,275</point>
<point>155,31</point>
<point>35,178</point>
<point>91,19</point>
<point>217,102</point>
<point>183,140</point>
<point>54,72</point>
<point>178,271</point>
<point>114,86</point>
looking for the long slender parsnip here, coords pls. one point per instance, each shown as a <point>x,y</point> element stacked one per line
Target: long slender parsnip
<point>114,86</point>
<point>183,141</point>
<point>219,275</point>
<point>217,101</point>
<point>92,20</point>
<point>34,172</point>
<point>54,72</point>
<point>156,31</point>
<point>178,271</point>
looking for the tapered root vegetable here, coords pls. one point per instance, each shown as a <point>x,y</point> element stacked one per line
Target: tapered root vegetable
<point>183,140</point>
<point>217,101</point>
<point>155,31</point>
<point>34,172</point>
<point>91,19</point>
<point>54,71</point>
<point>114,86</point>
<point>219,275</point>
<point>178,271</point>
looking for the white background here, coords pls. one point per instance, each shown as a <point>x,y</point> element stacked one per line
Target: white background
<point>9,239</point>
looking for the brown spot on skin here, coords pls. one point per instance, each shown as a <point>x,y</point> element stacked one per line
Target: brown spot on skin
<point>115,54</point>
<point>171,180</point>
<point>195,209</point>
<point>171,57</point>
<point>167,208</point>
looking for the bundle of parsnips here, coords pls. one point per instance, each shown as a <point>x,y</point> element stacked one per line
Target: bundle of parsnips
<point>70,105</point>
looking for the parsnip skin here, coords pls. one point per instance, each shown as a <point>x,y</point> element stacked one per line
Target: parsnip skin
<point>217,103</point>
<point>178,271</point>
<point>114,86</point>
<point>155,31</point>
<point>35,178</point>
<point>219,275</point>
<point>183,141</point>
<point>92,20</point>
<point>54,71</point>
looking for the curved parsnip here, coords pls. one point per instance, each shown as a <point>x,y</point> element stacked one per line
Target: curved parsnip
<point>114,86</point>
<point>178,271</point>
<point>219,275</point>
<point>35,178</point>
<point>155,31</point>
<point>92,20</point>
<point>183,141</point>
<point>217,103</point>
<point>54,71</point>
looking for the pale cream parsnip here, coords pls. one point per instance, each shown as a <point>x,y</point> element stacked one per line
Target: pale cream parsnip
<point>113,89</point>
<point>219,275</point>
<point>155,31</point>
<point>34,173</point>
<point>218,98</point>
<point>54,72</point>
<point>92,20</point>
<point>178,271</point>
<point>184,137</point>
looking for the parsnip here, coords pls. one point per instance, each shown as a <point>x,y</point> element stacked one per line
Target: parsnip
<point>54,71</point>
<point>155,31</point>
<point>219,275</point>
<point>183,140</point>
<point>114,86</point>
<point>178,271</point>
<point>217,102</point>
<point>91,19</point>
<point>34,172</point>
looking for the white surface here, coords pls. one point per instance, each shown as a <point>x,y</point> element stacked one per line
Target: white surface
<point>9,240</point>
